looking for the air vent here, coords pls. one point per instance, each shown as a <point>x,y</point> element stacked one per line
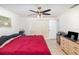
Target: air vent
<point>74,5</point>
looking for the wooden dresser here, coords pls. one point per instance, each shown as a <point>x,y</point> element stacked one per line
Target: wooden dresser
<point>69,46</point>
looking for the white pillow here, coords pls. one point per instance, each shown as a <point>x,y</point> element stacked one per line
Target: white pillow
<point>8,41</point>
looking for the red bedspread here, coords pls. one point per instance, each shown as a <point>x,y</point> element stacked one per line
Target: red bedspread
<point>26,45</point>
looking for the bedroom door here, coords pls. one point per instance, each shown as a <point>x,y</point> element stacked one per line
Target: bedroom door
<point>52,29</point>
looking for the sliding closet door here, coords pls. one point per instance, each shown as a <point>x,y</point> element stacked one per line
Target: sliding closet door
<point>39,27</point>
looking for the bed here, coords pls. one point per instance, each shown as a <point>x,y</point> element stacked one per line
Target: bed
<point>26,45</point>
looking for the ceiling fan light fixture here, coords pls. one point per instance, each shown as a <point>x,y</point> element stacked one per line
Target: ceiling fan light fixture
<point>39,7</point>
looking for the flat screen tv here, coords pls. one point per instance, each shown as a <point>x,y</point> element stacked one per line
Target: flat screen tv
<point>74,34</point>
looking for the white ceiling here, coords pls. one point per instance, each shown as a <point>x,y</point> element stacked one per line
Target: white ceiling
<point>23,9</point>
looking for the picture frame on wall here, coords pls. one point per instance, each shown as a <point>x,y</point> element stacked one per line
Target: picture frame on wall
<point>5,21</point>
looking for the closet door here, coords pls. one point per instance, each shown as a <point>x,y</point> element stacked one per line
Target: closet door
<point>39,27</point>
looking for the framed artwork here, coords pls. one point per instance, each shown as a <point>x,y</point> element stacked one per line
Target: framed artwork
<point>5,21</point>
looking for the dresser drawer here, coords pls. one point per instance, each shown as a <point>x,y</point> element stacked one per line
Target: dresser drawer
<point>76,46</point>
<point>75,52</point>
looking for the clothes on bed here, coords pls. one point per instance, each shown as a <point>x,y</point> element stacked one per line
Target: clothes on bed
<point>3,39</point>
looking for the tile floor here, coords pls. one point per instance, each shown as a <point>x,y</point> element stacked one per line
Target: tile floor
<point>54,47</point>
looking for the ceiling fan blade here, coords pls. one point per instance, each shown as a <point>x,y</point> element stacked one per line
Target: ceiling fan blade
<point>33,11</point>
<point>46,14</point>
<point>46,10</point>
<point>31,15</point>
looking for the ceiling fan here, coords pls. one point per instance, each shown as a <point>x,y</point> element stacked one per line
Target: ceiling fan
<point>39,12</point>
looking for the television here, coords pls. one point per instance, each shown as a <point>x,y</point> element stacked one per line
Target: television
<point>73,35</point>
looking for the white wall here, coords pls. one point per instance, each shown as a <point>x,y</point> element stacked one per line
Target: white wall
<point>69,21</point>
<point>14,22</point>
